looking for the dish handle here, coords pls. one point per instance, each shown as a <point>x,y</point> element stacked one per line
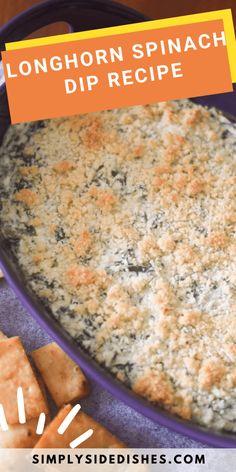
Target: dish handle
<point>80,15</point>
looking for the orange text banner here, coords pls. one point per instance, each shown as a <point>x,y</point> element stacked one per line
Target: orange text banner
<point>117,71</point>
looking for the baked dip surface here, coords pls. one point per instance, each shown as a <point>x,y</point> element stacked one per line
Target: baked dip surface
<point>123,223</point>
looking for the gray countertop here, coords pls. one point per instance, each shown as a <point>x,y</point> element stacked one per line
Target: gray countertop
<point>131,427</point>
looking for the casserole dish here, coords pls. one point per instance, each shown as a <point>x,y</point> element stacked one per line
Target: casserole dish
<point>79,16</point>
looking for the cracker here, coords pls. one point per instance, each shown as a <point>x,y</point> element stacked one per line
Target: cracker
<point>16,371</point>
<point>65,381</point>
<point>2,336</point>
<point>101,438</point>
<point>20,435</point>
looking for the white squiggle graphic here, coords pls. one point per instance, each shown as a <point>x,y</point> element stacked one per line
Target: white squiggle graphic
<point>42,420</point>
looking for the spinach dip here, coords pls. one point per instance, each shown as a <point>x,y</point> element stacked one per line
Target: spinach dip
<point>123,224</point>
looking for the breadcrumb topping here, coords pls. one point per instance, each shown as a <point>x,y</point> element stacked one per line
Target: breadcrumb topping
<point>123,224</point>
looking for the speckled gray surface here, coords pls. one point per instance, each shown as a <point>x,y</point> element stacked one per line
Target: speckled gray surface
<point>131,427</point>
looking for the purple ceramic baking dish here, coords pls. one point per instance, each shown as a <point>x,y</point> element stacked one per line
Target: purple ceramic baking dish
<point>84,15</point>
